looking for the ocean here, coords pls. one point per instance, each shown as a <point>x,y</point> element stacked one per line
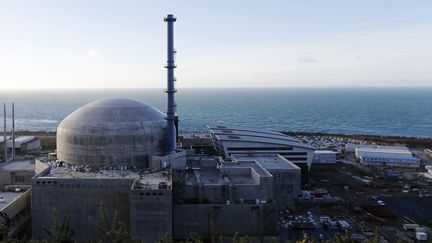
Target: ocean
<point>372,111</point>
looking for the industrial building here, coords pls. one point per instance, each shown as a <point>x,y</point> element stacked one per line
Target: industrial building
<point>387,157</point>
<point>111,132</point>
<point>17,172</point>
<point>125,156</point>
<point>16,205</point>
<point>3,147</point>
<point>325,157</point>
<point>229,140</point>
<point>136,198</point>
<point>24,144</point>
<point>233,196</point>
<point>15,193</point>
<point>350,147</point>
<point>286,176</point>
<point>199,142</point>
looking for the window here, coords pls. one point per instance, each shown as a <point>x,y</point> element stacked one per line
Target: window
<point>258,148</point>
<point>20,179</point>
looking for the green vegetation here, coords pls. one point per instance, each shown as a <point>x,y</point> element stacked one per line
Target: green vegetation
<point>4,226</point>
<point>60,231</point>
<point>111,230</point>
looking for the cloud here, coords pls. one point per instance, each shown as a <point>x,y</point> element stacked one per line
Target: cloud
<point>307,60</point>
<point>90,54</point>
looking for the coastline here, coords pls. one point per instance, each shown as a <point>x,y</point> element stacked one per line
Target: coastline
<point>48,138</point>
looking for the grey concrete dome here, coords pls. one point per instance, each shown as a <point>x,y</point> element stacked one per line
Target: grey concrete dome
<point>111,132</point>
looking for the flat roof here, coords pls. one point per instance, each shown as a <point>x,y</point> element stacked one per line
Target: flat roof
<point>383,150</point>
<point>362,145</point>
<point>213,176</point>
<point>152,180</point>
<point>20,140</point>
<point>259,169</point>
<point>8,197</point>
<point>18,165</point>
<point>2,138</point>
<point>68,171</point>
<point>268,161</point>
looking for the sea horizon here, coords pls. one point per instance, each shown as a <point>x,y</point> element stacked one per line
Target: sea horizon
<point>384,111</point>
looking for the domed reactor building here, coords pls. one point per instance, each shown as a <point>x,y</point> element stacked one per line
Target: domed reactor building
<point>112,132</point>
<point>125,158</point>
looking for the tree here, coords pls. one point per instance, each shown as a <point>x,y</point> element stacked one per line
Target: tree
<point>4,226</point>
<point>376,237</point>
<point>240,239</point>
<point>112,231</point>
<point>164,239</point>
<point>193,238</point>
<point>60,231</point>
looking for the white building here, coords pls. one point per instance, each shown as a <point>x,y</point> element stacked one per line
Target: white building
<point>350,147</point>
<point>325,157</point>
<point>382,151</point>
<point>387,157</point>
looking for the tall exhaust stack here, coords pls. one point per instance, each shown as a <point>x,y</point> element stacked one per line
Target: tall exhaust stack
<point>13,131</point>
<point>4,133</point>
<point>171,109</point>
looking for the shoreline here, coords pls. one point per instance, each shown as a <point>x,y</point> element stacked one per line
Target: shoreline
<point>409,141</point>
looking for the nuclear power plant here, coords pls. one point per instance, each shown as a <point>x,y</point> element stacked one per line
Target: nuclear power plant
<point>125,157</point>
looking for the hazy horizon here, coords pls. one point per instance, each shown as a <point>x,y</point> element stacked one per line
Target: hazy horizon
<point>110,44</point>
<point>218,87</point>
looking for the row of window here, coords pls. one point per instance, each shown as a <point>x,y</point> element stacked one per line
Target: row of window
<point>294,153</point>
<point>258,148</point>
<point>75,185</point>
<point>151,194</point>
<point>296,158</point>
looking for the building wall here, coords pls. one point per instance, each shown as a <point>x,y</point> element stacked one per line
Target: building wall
<point>325,158</point>
<point>19,212</point>
<point>391,162</point>
<point>377,152</point>
<point>80,199</point>
<point>30,146</point>
<point>248,219</point>
<point>151,214</point>
<point>15,177</point>
<point>286,186</point>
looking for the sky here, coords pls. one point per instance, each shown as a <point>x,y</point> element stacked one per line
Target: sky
<point>59,44</point>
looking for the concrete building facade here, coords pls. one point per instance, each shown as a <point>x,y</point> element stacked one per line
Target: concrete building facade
<point>15,194</point>
<point>25,144</point>
<point>142,202</point>
<point>325,157</point>
<point>286,176</point>
<point>228,141</point>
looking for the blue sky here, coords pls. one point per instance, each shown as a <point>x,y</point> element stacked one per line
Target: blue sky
<point>121,44</point>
